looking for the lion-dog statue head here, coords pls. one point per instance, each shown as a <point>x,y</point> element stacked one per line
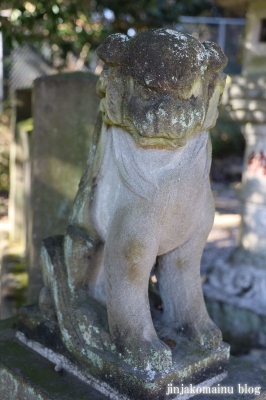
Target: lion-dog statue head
<point>162,86</point>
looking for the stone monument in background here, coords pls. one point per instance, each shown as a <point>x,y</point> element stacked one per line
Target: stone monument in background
<point>144,202</point>
<point>65,110</point>
<point>48,154</point>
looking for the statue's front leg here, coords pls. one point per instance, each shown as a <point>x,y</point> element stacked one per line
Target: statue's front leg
<point>130,253</point>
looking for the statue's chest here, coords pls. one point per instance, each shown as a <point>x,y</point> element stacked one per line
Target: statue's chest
<point>147,172</point>
<point>166,180</point>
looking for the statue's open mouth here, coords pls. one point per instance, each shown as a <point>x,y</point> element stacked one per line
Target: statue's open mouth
<point>160,142</point>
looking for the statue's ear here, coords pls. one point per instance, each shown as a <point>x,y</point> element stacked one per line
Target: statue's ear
<point>216,59</point>
<point>112,49</point>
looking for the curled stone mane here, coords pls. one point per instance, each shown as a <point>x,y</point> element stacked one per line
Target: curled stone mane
<point>159,58</point>
<point>164,76</point>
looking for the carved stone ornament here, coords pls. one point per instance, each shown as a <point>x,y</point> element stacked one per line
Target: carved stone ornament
<point>240,281</point>
<point>144,203</point>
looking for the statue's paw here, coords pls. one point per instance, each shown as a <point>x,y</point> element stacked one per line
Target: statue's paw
<point>46,304</point>
<point>206,334</point>
<point>149,355</point>
<point>161,355</point>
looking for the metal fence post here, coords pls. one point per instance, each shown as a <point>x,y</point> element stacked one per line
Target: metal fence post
<point>221,33</point>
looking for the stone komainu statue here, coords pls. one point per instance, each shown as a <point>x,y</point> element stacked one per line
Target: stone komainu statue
<point>144,201</point>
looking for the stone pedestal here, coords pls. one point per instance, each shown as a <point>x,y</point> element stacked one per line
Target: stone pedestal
<point>25,374</point>
<point>192,364</point>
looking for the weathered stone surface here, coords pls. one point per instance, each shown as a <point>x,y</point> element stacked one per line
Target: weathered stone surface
<point>25,374</point>
<point>235,297</point>
<point>65,111</point>
<point>243,278</point>
<point>242,328</point>
<point>156,80</point>
<point>240,374</point>
<point>91,348</point>
<point>150,152</point>
<point>192,364</point>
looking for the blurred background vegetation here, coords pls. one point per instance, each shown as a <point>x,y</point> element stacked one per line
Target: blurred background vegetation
<point>79,26</point>
<point>63,30</point>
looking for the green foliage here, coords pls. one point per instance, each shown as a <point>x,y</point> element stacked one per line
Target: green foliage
<point>226,137</point>
<point>80,25</point>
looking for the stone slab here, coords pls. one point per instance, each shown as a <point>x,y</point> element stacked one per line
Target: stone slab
<point>27,375</point>
<point>64,112</point>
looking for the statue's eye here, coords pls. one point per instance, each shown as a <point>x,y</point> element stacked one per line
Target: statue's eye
<point>146,93</point>
<point>185,93</point>
<point>102,84</point>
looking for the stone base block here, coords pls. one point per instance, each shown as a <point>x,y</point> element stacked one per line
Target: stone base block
<point>24,374</point>
<point>193,365</point>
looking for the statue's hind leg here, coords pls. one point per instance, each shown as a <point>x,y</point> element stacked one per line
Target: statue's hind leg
<point>179,282</point>
<point>83,248</point>
<point>84,262</point>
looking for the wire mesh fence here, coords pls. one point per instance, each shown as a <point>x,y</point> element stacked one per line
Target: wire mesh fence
<point>227,32</point>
